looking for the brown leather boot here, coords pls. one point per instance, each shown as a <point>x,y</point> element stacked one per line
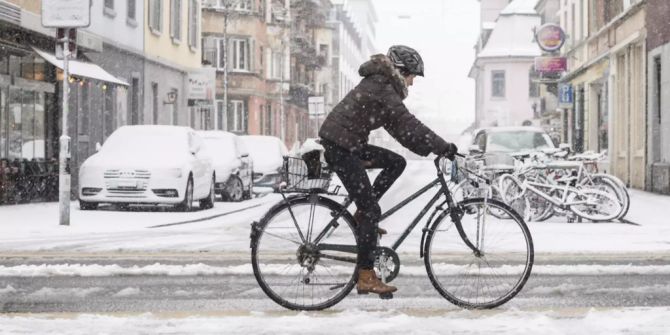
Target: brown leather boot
<point>358,216</point>
<point>369,283</point>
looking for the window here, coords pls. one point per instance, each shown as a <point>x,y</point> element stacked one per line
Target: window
<point>240,54</point>
<point>237,116</point>
<point>275,65</point>
<point>658,77</point>
<point>154,92</point>
<point>3,135</point>
<point>175,20</point>
<point>155,15</point>
<point>84,110</point>
<point>582,15</point>
<point>573,33</point>
<point>135,102</point>
<point>243,5</point>
<point>131,10</point>
<point>533,84</point>
<point>193,24</point>
<point>109,4</point>
<point>219,112</point>
<point>498,84</point>
<point>268,121</point>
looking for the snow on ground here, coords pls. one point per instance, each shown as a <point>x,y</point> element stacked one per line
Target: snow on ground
<point>573,321</point>
<point>34,227</point>
<point>200,269</point>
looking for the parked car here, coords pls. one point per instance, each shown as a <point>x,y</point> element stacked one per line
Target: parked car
<point>510,140</point>
<point>232,164</point>
<point>148,165</point>
<point>267,154</point>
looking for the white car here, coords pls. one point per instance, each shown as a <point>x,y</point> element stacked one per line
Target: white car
<point>267,154</point>
<point>510,140</point>
<point>148,165</point>
<point>232,164</point>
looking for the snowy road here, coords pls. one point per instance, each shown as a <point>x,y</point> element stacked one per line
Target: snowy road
<point>205,285</point>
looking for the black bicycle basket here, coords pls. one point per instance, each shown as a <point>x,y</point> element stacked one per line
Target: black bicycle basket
<point>305,175</point>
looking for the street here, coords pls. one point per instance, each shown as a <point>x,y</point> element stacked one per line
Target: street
<point>587,281</point>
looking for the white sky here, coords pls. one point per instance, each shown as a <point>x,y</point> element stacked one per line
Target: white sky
<point>444,32</point>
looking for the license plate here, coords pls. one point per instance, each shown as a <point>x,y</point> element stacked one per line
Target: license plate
<point>128,184</point>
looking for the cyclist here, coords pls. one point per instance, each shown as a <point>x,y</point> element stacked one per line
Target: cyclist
<point>377,101</point>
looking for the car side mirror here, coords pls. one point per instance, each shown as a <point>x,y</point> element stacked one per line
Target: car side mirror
<point>98,146</point>
<point>475,150</point>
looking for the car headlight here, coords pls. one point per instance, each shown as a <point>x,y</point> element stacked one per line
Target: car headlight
<point>170,173</point>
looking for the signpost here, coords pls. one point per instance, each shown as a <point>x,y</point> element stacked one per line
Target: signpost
<point>65,15</point>
<point>316,109</point>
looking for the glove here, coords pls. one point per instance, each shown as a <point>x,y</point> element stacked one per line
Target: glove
<point>450,151</point>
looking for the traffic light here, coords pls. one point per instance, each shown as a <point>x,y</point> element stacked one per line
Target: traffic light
<point>60,40</point>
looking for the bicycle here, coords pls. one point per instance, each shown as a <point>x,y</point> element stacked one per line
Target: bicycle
<point>304,249</point>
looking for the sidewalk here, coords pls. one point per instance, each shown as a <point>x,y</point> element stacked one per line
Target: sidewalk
<point>34,227</point>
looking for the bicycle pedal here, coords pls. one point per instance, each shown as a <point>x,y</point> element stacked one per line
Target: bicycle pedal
<point>386,296</point>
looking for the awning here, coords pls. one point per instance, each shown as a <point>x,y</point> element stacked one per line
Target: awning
<point>82,69</point>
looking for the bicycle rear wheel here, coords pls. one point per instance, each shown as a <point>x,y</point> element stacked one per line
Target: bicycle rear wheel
<point>292,267</point>
<point>491,278</point>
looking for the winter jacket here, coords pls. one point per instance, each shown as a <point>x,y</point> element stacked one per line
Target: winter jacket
<point>377,102</point>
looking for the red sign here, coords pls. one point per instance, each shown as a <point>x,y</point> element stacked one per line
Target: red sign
<point>550,37</point>
<point>551,64</point>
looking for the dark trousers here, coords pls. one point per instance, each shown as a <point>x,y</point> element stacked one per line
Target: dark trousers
<point>350,167</point>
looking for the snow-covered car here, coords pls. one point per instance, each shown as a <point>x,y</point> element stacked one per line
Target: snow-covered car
<point>267,154</point>
<point>148,165</point>
<point>232,164</point>
<point>510,140</point>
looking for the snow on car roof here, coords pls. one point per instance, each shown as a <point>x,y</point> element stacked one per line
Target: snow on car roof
<point>218,134</point>
<point>153,129</point>
<point>508,129</point>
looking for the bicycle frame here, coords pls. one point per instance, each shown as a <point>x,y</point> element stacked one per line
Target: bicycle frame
<point>444,190</point>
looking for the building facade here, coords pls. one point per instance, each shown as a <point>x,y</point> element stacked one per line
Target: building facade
<point>507,92</point>
<point>606,68</point>
<point>658,97</point>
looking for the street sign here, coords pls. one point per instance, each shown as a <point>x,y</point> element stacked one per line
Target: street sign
<point>565,95</point>
<point>551,64</point>
<point>66,13</point>
<point>316,106</point>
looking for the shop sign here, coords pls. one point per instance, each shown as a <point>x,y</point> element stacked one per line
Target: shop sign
<point>66,13</point>
<point>202,84</point>
<point>550,37</point>
<point>551,64</point>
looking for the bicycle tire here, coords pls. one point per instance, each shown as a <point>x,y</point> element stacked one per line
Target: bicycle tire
<point>586,211</point>
<point>619,188</point>
<point>267,257</point>
<point>516,262</point>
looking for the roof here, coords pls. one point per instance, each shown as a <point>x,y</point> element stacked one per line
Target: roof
<point>520,7</point>
<point>512,35</point>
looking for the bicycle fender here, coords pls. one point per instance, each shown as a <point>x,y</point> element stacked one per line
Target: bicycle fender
<point>429,222</point>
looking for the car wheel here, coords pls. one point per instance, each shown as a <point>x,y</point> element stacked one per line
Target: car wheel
<point>248,193</point>
<point>234,189</point>
<point>187,204</point>
<point>87,206</point>
<point>208,202</point>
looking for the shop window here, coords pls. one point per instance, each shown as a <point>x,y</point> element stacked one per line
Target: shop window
<point>108,111</point>
<point>14,124</point>
<point>154,95</point>
<point>3,122</point>
<point>4,64</point>
<point>84,110</point>
<point>237,116</point>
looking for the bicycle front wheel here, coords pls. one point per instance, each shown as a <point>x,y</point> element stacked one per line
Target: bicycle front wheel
<point>304,254</point>
<point>492,274</point>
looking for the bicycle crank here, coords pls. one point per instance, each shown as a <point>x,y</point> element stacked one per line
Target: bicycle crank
<point>387,264</point>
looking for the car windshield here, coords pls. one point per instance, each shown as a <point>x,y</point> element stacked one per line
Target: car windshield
<point>514,141</point>
<point>145,142</point>
<point>220,149</point>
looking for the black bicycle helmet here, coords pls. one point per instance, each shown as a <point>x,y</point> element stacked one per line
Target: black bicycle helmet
<point>406,59</point>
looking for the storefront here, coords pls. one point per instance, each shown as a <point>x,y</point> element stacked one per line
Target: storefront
<point>200,93</point>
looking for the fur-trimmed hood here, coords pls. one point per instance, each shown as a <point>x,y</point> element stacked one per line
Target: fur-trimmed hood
<point>381,65</point>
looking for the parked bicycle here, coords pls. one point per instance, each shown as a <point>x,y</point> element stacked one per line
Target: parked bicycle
<point>304,249</point>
